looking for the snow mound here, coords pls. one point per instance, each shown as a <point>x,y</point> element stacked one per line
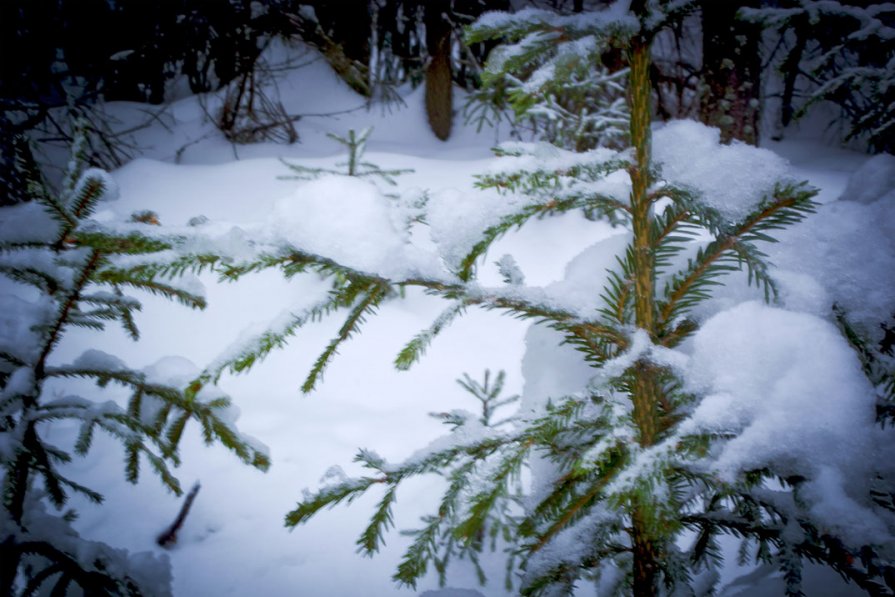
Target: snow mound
<point>17,316</point>
<point>341,217</point>
<point>873,180</point>
<point>28,222</point>
<point>792,391</point>
<point>731,178</point>
<point>587,275</point>
<point>458,220</point>
<point>849,248</point>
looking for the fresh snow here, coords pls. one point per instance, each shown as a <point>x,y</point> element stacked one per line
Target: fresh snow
<point>780,375</point>
<point>314,220</point>
<point>731,178</point>
<point>789,387</point>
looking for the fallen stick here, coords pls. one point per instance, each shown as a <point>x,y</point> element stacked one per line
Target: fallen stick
<point>169,537</point>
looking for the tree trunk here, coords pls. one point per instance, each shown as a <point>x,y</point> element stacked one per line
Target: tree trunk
<point>439,100</point>
<point>731,65</point>
<point>645,392</point>
<point>349,22</point>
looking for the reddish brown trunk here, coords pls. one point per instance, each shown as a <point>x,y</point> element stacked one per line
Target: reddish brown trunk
<point>439,99</point>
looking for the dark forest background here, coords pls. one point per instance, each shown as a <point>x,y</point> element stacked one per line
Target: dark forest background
<point>59,59</point>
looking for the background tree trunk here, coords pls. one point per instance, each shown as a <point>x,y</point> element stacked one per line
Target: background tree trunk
<point>439,99</point>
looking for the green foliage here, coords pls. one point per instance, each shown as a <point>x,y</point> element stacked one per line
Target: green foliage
<point>561,77</point>
<point>73,268</point>
<point>734,248</point>
<point>552,88</point>
<point>454,531</point>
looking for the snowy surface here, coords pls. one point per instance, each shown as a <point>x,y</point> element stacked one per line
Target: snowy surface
<point>775,363</point>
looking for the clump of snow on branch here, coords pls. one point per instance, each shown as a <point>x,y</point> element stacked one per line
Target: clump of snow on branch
<point>789,390</point>
<point>731,178</point>
<point>456,221</point>
<point>348,220</point>
<point>848,249</point>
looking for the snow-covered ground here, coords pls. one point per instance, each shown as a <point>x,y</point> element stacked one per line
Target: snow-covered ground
<point>234,541</point>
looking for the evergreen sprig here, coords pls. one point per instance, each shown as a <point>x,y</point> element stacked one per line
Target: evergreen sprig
<point>367,304</point>
<point>445,534</point>
<point>414,350</point>
<point>356,144</point>
<point>733,250</point>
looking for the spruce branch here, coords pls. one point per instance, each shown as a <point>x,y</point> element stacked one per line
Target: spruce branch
<point>481,505</point>
<point>273,338</point>
<point>371,539</point>
<point>356,317</point>
<point>735,249</point>
<point>356,145</point>
<point>328,498</point>
<point>115,244</point>
<point>70,268</point>
<point>618,295</point>
<point>467,265</point>
<point>153,286</point>
<point>186,263</point>
<point>414,350</point>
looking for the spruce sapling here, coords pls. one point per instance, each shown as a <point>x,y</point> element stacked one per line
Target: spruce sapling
<point>62,270</point>
<point>356,144</point>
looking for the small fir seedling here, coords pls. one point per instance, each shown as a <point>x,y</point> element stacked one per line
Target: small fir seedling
<point>488,394</point>
<point>355,166</point>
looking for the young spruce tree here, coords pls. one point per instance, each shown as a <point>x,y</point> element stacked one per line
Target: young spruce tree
<point>623,490</point>
<point>62,270</point>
